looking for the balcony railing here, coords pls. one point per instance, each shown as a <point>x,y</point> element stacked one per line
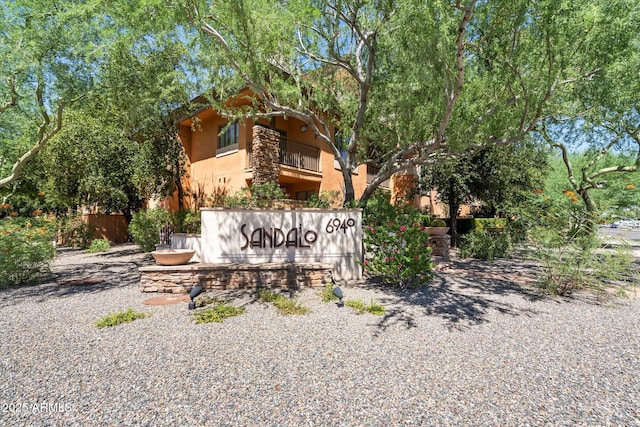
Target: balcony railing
<point>295,154</point>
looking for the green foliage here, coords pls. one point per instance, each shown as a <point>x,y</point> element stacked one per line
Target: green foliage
<point>398,252</point>
<point>145,227</point>
<point>481,224</point>
<point>90,163</point>
<point>617,193</point>
<point>327,293</point>
<point>437,223</point>
<point>205,299</point>
<point>118,318</point>
<point>283,304</point>
<point>373,307</point>
<point>26,249</point>
<point>267,195</point>
<point>379,210</point>
<point>561,238</point>
<point>74,232</point>
<point>485,245</point>
<point>324,200</point>
<point>186,221</point>
<point>99,245</point>
<point>217,314</point>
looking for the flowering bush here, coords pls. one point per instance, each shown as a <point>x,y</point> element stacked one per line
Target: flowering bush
<point>26,249</point>
<point>398,252</point>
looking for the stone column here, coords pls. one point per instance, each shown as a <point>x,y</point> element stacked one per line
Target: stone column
<point>266,155</point>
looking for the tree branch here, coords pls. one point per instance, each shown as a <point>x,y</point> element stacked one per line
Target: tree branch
<point>13,96</point>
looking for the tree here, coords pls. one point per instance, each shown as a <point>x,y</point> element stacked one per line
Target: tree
<point>46,52</point>
<point>321,62</point>
<point>129,63</point>
<point>89,163</point>
<point>601,118</point>
<point>499,177</point>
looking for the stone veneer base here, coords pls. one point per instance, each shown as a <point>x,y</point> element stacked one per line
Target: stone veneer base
<point>181,278</point>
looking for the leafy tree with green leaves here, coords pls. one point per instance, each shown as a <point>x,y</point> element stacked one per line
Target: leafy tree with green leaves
<point>601,117</point>
<point>48,54</point>
<point>500,178</point>
<point>90,163</point>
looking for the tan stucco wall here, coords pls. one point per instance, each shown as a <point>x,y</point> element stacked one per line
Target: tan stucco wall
<point>207,173</point>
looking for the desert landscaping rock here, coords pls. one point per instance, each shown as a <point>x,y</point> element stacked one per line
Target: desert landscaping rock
<point>478,346</point>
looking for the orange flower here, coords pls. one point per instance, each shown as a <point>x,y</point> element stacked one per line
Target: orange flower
<point>538,191</point>
<point>14,214</point>
<point>630,187</point>
<point>41,193</point>
<point>569,193</point>
<point>574,199</point>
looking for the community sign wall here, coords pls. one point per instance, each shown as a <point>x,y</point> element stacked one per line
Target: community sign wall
<point>253,236</point>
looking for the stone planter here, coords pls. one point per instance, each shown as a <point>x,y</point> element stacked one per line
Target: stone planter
<point>173,256</point>
<point>437,231</point>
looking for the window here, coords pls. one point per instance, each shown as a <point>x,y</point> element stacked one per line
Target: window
<point>341,141</point>
<point>305,195</point>
<point>228,138</point>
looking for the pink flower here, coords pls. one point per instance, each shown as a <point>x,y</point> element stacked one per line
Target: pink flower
<point>390,224</point>
<point>422,228</point>
<point>415,258</point>
<point>366,263</point>
<point>399,266</point>
<point>403,228</point>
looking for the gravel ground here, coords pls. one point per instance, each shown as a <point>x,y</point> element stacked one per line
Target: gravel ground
<point>477,347</point>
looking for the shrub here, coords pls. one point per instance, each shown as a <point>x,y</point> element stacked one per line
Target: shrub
<point>399,253</point>
<point>74,232</point>
<point>283,304</point>
<point>217,314</point>
<point>438,223</point>
<point>373,307</point>
<point>480,224</point>
<point>325,200</point>
<point>26,249</point>
<point>561,238</point>
<point>327,293</point>
<point>485,245</point>
<point>99,245</point>
<point>186,221</point>
<point>145,227</point>
<point>117,318</point>
<point>379,210</point>
<point>267,195</point>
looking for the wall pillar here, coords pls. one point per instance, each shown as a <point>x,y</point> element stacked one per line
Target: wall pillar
<point>266,155</point>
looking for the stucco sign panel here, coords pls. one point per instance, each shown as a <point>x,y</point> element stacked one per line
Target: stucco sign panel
<point>257,236</point>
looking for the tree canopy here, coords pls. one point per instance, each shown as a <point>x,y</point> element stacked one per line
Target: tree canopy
<point>405,83</point>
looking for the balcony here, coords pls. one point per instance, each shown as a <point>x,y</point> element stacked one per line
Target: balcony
<point>294,154</point>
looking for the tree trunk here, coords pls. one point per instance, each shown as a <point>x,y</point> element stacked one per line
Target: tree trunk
<point>349,193</point>
<point>592,210</point>
<point>454,205</point>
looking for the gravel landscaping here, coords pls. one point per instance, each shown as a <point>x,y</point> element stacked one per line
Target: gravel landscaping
<point>477,347</point>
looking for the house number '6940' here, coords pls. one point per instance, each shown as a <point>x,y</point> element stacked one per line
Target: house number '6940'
<point>335,225</point>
